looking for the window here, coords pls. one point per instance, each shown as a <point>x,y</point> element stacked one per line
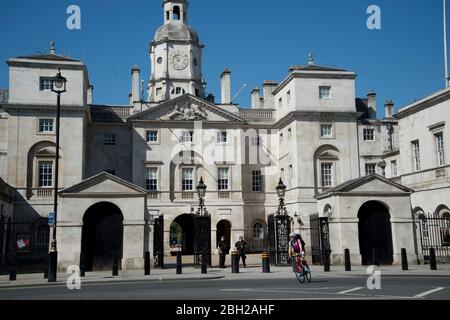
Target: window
<point>109,139</point>
<point>45,84</point>
<point>325,92</point>
<point>151,182</point>
<point>152,136</point>
<point>370,169</point>
<point>288,100</point>
<point>188,179</point>
<point>281,137</point>
<point>439,137</point>
<point>176,13</point>
<point>280,103</point>
<point>222,137</point>
<point>326,130</point>
<point>46,126</point>
<point>289,134</point>
<point>369,134</point>
<point>327,175</point>
<point>224,179</point>
<point>257,181</point>
<point>187,137</point>
<point>45,174</point>
<point>178,90</point>
<point>291,171</point>
<point>394,168</point>
<point>258,231</point>
<point>282,176</point>
<point>111,172</point>
<point>416,155</point>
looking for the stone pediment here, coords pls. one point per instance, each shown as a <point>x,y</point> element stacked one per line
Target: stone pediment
<point>104,184</point>
<point>187,108</point>
<point>373,184</point>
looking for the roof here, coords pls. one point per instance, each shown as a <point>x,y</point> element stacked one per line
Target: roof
<point>315,67</point>
<point>435,98</point>
<point>48,57</point>
<point>176,30</point>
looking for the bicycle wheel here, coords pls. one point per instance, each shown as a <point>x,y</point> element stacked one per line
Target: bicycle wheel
<point>300,276</point>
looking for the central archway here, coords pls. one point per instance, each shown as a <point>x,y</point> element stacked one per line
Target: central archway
<point>375,234</point>
<point>186,223</point>
<point>102,237</point>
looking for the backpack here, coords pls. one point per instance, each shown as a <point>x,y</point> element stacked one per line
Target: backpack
<point>301,240</point>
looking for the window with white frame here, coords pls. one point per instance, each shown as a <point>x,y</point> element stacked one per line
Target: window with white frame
<point>327,174</point>
<point>439,137</point>
<point>325,92</point>
<point>187,182</point>
<point>187,137</point>
<point>151,181</point>
<point>45,179</point>
<point>258,231</point>
<point>46,125</point>
<point>326,131</point>
<point>224,179</point>
<point>152,136</point>
<point>109,139</point>
<point>370,168</point>
<point>257,181</point>
<point>369,134</point>
<point>394,168</point>
<point>45,84</point>
<point>416,154</point>
<point>222,137</point>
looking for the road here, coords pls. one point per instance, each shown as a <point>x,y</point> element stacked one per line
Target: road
<point>322,287</point>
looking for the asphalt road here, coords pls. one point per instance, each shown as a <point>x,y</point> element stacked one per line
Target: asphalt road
<point>392,288</point>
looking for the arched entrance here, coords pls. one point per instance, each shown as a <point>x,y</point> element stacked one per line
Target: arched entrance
<point>375,234</point>
<point>186,223</point>
<point>102,238</point>
<point>224,230</point>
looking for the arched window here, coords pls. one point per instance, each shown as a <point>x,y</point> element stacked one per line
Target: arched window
<point>178,90</point>
<point>424,226</point>
<point>258,231</point>
<point>176,13</point>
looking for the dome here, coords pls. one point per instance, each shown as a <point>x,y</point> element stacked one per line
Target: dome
<point>176,31</point>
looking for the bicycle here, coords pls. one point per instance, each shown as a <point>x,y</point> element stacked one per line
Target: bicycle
<point>301,272</point>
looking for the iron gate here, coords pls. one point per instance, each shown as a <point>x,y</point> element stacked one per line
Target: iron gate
<point>158,242</point>
<point>279,230</point>
<point>435,233</point>
<point>315,239</point>
<point>202,239</point>
<point>25,243</point>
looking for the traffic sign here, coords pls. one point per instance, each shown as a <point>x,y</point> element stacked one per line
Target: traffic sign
<point>51,219</point>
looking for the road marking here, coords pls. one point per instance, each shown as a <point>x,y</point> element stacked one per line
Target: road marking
<point>351,290</point>
<point>423,295</point>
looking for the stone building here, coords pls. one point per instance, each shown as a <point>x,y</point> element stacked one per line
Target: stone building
<point>123,167</point>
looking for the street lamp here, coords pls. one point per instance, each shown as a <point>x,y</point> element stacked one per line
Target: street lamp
<point>281,192</point>
<point>59,87</point>
<point>201,189</point>
<point>383,166</point>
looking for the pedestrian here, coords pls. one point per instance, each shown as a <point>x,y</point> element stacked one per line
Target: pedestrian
<point>223,248</point>
<point>241,247</point>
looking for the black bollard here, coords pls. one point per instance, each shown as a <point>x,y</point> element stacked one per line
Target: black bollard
<point>433,263</point>
<point>348,263</point>
<point>147,263</point>
<point>115,271</point>
<point>82,265</point>
<point>13,269</point>
<point>179,263</point>
<point>326,262</point>
<point>234,262</point>
<point>404,260</point>
<point>265,263</point>
<point>204,264</point>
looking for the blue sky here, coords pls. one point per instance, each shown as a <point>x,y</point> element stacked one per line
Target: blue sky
<point>257,40</point>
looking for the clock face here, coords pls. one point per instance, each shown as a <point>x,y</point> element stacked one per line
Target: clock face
<point>179,61</point>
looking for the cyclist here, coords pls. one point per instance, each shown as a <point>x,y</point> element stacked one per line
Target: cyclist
<point>296,246</point>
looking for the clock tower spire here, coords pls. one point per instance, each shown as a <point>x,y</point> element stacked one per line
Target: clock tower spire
<point>175,54</point>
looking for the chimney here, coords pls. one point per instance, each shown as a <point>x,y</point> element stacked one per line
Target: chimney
<point>389,109</point>
<point>372,105</point>
<point>130,99</point>
<point>226,86</point>
<point>210,98</point>
<point>269,88</point>
<point>256,104</point>
<point>90,95</point>
<point>135,84</point>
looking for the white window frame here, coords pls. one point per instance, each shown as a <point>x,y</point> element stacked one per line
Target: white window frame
<point>183,185</point>
<point>109,139</point>
<point>329,175</point>
<point>52,180</point>
<point>220,185</point>
<point>45,84</point>
<point>221,140</point>
<point>369,166</point>
<point>39,120</point>
<point>257,181</point>
<point>415,148</point>
<point>187,136</point>
<point>322,136</point>
<point>394,168</point>
<point>440,148</point>
<point>367,136</point>
<point>322,95</point>
<point>153,179</point>
<point>258,231</point>
<point>147,132</point>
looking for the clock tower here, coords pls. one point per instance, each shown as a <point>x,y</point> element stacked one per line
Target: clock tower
<point>176,56</point>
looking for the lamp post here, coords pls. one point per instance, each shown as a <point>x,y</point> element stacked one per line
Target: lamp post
<point>201,189</point>
<point>282,227</point>
<point>202,227</point>
<point>59,87</point>
<point>281,192</point>
<point>382,165</point>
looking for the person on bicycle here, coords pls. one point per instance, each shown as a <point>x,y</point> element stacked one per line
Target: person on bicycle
<point>296,246</point>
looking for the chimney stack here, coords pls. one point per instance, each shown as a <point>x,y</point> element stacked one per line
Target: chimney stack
<point>389,109</point>
<point>135,84</point>
<point>226,86</point>
<point>256,102</point>
<point>90,95</point>
<point>269,88</point>
<point>372,105</point>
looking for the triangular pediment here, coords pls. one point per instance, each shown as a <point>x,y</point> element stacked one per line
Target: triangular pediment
<point>187,108</point>
<point>373,184</point>
<point>104,184</point>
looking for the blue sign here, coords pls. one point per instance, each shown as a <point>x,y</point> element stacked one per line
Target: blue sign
<point>51,219</point>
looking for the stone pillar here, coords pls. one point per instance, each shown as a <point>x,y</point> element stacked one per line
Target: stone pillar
<point>68,237</point>
<point>133,245</point>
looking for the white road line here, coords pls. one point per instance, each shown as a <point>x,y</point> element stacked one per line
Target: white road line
<point>351,290</point>
<point>422,295</point>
